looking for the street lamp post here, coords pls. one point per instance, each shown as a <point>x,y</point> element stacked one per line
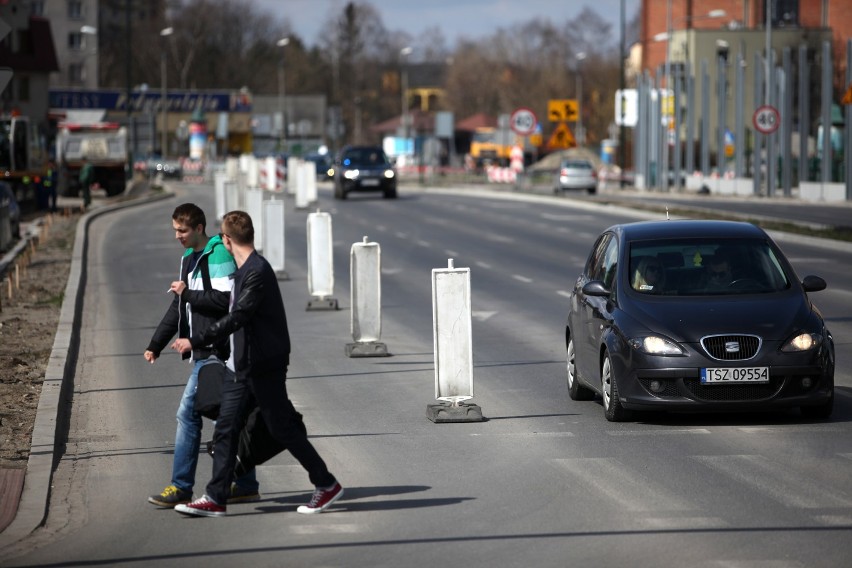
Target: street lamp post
<point>91,31</point>
<point>581,133</point>
<point>282,43</point>
<point>164,93</point>
<point>404,53</point>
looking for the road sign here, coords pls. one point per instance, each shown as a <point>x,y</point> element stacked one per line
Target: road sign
<point>766,119</point>
<point>562,110</point>
<point>561,139</point>
<point>523,121</point>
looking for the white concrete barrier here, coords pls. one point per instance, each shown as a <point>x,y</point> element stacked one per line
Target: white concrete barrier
<point>302,197</point>
<point>365,275</point>
<point>273,236</point>
<point>254,207</point>
<point>818,191</point>
<point>453,346</point>
<point>320,262</point>
<point>292,166</point>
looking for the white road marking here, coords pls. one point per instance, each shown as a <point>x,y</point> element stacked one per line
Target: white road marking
<point>482,316</point>
<point>402,235</point>
<point>523,279</point>
<point>774,480</point>
<point>565,293</point>
<point>325,528</point>
<point>452,253</point>
<point>661,432</point>
<point>499,238</point>
<point>627,488</point>
<point>557,217</point>
<point>484,265</point>
<point>426,244</point>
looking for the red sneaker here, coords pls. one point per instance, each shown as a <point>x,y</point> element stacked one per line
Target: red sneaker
<point>321,499</point>
<point>204,507</point>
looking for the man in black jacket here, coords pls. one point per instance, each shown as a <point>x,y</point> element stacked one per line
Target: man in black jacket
<point>205,269</point>
<point>261,354</point>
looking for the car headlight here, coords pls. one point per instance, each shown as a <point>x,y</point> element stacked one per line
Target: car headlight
<point>655,345</point>
<point>389,174</point>
<point>802,342</point>
<point>350,174</point>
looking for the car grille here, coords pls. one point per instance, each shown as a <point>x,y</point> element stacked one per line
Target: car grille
<point>733,393</point>
<point>731,347</point>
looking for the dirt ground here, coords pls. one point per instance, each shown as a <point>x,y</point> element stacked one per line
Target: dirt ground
<point>28,322</point>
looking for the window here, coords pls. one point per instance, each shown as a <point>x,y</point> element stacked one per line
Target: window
<point>37,7</point>
<point>75,41</point>
<point>75,73</point>
<point>75,9</point>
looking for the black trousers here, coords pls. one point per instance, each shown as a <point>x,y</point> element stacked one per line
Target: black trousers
<point>269,392</point>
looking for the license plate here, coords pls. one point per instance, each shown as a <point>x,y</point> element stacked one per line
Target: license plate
<point>729,375</point>
<point>370,182</point>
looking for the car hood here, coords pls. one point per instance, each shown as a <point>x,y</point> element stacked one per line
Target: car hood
<point>770,317</point>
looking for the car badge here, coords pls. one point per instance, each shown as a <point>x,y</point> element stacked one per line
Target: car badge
<point>732,347</point>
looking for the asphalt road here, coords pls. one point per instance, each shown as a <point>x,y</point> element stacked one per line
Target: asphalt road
<point>543,482</point>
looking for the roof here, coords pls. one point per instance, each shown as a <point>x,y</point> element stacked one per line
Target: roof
<point>422,122</point>
<point>478,120</point>
<point>41,57</point>
<point>688,228</point>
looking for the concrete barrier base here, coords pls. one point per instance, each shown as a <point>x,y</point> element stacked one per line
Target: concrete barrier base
<point>367,349</point>
<point>322,304</point>
<point>446,412</point>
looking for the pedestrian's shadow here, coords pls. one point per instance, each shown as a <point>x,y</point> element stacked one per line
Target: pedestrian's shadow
<point>352,496</point>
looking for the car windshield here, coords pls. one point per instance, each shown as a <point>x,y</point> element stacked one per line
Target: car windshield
<point>364,157</point>
<point>699,267</point>
<point>577,165</point>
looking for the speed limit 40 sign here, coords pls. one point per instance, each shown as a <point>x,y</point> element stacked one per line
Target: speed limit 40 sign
<point>766,119</point>
<point>523,121</point>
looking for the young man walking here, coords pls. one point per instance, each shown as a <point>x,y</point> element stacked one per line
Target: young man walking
<point>205,269</point>
<point>257,325</point>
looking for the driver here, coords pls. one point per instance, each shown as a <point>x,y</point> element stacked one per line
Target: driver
<point>719,273</point>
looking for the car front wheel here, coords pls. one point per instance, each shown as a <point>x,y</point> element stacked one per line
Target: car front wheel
<point>575,390</point>
<point>613,411</point>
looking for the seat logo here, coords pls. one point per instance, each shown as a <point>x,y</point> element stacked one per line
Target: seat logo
<point>732,347</point>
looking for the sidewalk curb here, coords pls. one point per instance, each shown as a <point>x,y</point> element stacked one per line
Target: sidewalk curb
<point>52,416</point>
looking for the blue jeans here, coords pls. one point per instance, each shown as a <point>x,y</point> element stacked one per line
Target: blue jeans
<point>188,437</point>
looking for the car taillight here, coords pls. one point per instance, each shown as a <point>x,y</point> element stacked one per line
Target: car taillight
<point>563,172</point>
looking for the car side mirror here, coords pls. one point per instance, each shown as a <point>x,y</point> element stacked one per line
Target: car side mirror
<point>813,283</point>
<point>596,288</point>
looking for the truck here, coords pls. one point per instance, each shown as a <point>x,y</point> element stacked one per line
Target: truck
<point>23,156</point>
<point>491,146</point>
<point>103,144</point>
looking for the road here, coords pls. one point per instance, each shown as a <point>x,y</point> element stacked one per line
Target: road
<point>543,482</point>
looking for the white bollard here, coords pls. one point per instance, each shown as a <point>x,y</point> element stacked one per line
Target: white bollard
<point>365,272</point>
<point>253,172</point>
<point>231,201</point>
<point>302,200</point>
<point>273,236</point>
<point>292,167</point>
<point>453,345</point>
<point>270,166</point>
<point>320,262</point>
<point>242,185</point>
<point>254,207</point>
<point>310,181</point>
<point>219,181</point>
<point>232,166</point>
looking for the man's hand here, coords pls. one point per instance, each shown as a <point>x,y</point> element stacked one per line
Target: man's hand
<point>182,345</point>
<point>177,287</point>
<point>149,356</point>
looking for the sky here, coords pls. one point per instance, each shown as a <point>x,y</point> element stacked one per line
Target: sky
<point>470,19</point>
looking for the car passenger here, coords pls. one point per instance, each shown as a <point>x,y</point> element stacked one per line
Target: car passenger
<point>650,276</point>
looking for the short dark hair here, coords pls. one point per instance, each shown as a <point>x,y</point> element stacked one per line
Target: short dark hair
<point>191,215</point>
<point>239,227</point>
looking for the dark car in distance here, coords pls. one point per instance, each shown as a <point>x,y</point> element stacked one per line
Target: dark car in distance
<point>363,168</point>
<point>689,315</point>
